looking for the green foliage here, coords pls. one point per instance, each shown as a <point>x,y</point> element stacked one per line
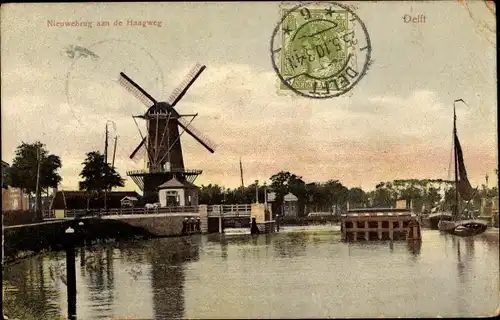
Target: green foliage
<point>215,194</point>
<point>357,198</point>
<point>23,172</point>
<point>424,194</point>
<point>279,185</point>
<point>6,176</point>
<point>98,175</point>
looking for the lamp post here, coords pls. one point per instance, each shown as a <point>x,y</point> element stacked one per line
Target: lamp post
<point>256,191</point>
<point>38,206</point>
<point>265,193</point>
<point>71,272</point>
<point>268,216</point>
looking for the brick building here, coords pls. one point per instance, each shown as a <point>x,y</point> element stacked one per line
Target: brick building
<point>12,198</point>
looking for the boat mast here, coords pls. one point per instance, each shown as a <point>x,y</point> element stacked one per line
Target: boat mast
<point>241,176</point>
<point>455,208</point>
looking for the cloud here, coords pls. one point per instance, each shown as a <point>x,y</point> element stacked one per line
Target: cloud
<point>358,139</point>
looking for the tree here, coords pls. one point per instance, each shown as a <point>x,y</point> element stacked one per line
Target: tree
<point>357,198</point>
<point>383,196</point>
<point>98,176</point>
<point>211,194</point>
<point>6,179</point>
<point>298,188</point>
<point>315,197</point>
<point>279,185</point>
<point>336,193</point>
<point>24,169</point>
<point>50,165</point>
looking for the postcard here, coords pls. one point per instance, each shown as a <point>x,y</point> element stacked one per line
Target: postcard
<point>249,160</point>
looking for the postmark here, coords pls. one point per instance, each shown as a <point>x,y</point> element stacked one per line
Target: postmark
<point>100,63</point>
<point>483,14</point>
<point>320,50</point>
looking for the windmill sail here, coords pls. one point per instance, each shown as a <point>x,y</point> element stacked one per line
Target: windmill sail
<point>463,185</point>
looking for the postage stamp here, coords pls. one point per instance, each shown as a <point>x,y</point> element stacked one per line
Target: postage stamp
<point>320,50</point>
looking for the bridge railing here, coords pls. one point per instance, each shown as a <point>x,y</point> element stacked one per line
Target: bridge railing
<point>128,211</point>
<point>230,210</point>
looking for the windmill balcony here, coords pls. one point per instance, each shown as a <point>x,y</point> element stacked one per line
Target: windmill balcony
<point>161,170</point>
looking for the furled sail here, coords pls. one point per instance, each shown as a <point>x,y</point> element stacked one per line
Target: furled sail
<point>463,185</point>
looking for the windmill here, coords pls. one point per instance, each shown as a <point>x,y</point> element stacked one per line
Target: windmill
<point>162,139</point>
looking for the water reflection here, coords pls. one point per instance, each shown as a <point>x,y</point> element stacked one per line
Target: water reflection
<point>29,279</point>
<point>414,247</point>
<point>295,274</point>
<point>167,274</point>
<point>291,244</point>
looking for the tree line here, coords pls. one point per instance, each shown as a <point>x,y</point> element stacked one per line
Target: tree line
<point>333,196</point>
<point>35,169</point>
<point>33,165</point>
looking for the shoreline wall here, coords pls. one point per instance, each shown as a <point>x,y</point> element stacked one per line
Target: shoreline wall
<point>34,238</point>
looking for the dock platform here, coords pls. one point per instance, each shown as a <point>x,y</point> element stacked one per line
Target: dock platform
<point>380,224</point>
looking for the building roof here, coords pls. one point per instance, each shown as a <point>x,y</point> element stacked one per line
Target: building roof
<point>129,198</point>
<point>176,184</point>
<point>363,210</point>
<point>5,164</point>
<point>290,197</point>
<point>271,196</point>
<point>78,200</point>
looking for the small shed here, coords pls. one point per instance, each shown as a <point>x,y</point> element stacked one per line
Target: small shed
<point>128,202</point>
<point>290,206</point>
<point>178,193</point>
<point>79,200</point>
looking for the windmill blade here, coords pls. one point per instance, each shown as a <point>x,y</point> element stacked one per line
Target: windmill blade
<point>136,90</point>
<point>181,90</point>
<point>138,148</point>
<point>197,135</point>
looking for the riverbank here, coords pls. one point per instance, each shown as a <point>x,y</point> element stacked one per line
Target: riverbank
<point>304,221</point>
<point>21,241</point>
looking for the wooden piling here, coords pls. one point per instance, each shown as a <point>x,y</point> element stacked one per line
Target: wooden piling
<point>71,272</point>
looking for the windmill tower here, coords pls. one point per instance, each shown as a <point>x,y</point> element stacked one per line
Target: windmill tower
<point>162,140</point>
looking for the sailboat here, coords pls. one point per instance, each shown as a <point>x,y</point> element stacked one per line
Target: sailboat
<point>463,191</point>
<point>437,215</point>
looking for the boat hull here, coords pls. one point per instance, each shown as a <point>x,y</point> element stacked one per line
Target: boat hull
<point>463,228</point>
<point>436,217</point>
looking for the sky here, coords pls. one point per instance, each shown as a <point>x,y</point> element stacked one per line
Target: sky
<point>396,123</point>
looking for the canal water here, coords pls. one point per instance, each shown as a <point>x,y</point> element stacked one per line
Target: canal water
<point>302,272</point>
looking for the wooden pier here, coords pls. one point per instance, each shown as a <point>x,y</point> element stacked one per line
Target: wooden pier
<point>380,224</point>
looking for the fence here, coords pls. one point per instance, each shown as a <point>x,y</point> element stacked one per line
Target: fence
<point>128,211</point>
<point>230,210</point>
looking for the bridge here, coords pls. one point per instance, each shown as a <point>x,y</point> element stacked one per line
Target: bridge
<point>185,210</point>
<point>213,218</point>
<point>226,211</point>
<point>230,210</point>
